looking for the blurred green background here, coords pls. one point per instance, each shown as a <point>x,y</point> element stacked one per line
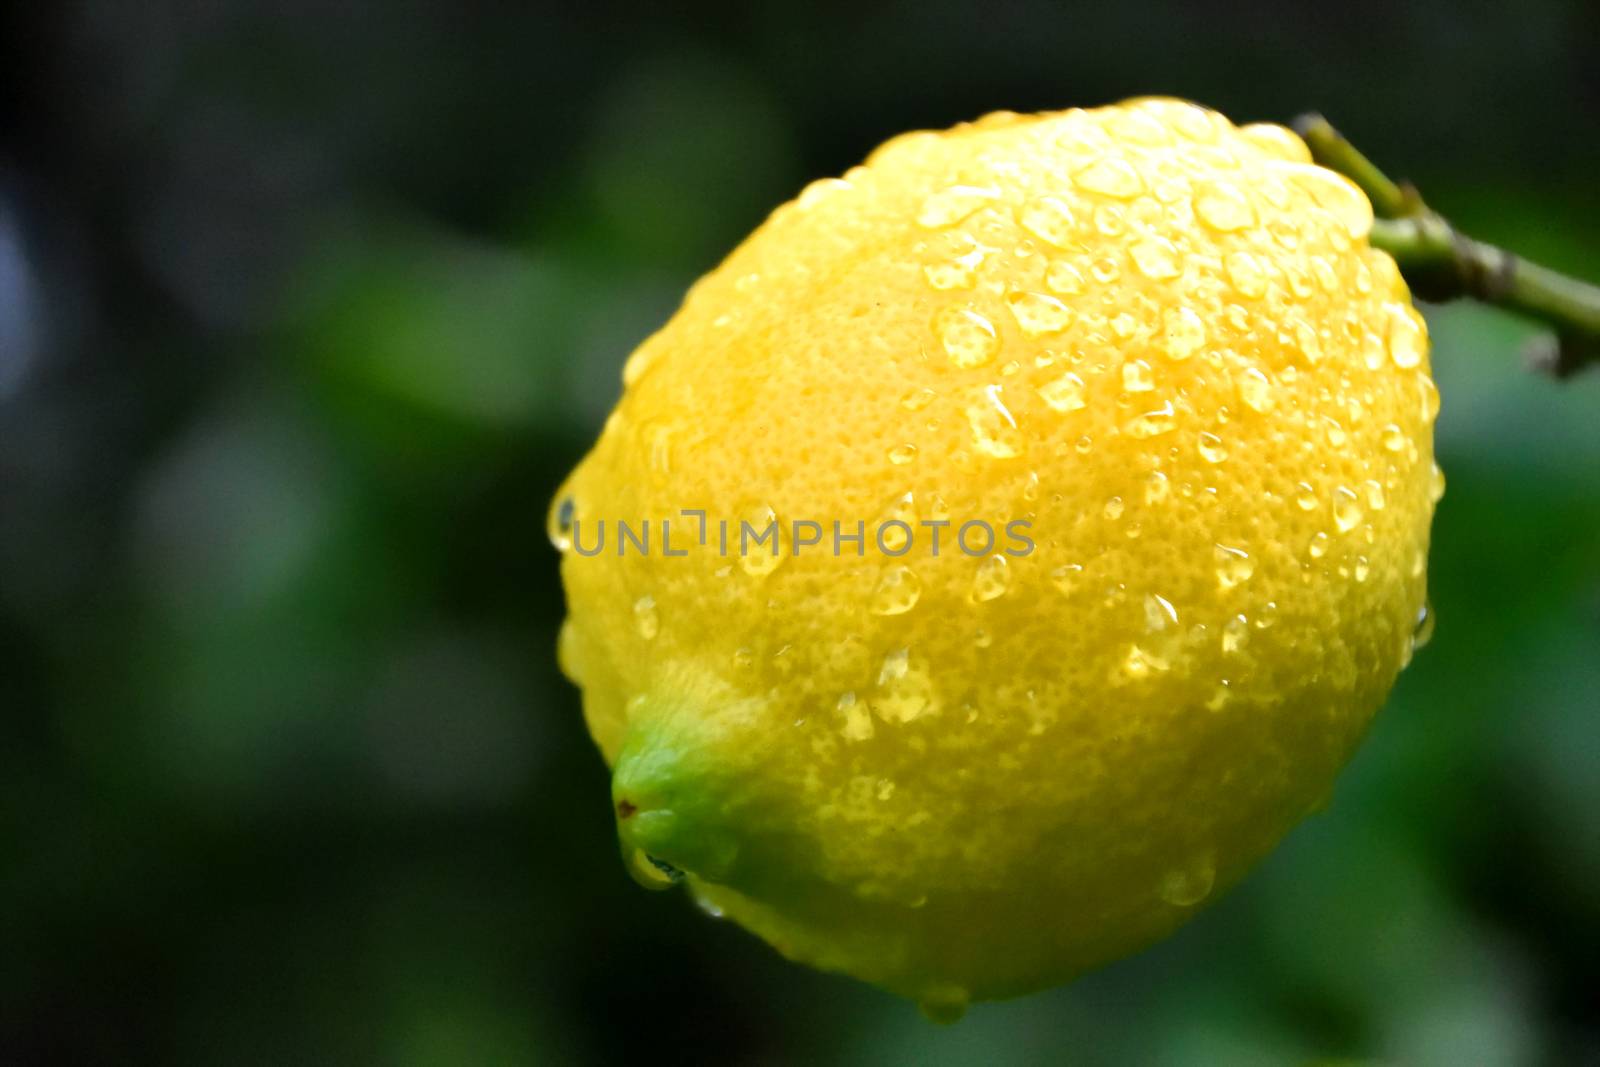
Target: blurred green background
<point>306,307</point>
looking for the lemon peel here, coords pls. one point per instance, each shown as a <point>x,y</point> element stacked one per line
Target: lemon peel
<point>1160,341</point>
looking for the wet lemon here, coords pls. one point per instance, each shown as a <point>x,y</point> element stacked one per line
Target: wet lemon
<point>1006,545</point>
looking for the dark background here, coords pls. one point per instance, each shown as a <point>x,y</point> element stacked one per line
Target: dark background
<point>305,307</point>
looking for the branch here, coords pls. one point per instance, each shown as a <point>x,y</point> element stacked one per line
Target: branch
<point>1441,263</point>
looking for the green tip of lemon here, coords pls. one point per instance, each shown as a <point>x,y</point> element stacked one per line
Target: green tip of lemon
<point>669,820</point>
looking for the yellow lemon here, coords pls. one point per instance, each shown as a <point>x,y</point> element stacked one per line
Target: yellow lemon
<point>1006,545</point>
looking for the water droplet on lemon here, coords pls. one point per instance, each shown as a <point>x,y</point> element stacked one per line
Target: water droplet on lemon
<point>646,618</point>
<point>949,206</point>
<point>896,593</point>
<point>969,339</point>
<point>992,579</point>
<point>1185,333</point>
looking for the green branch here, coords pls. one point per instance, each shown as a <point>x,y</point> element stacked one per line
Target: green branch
<point>1441,263</point>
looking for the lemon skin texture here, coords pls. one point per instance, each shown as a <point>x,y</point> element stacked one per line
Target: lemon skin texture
<point>1161,340</point>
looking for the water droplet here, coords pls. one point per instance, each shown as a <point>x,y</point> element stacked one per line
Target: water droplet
<point>1275,141</point>
<point>961,272</point>
<point>657,438</point>
<point>1394,438</point>
<point>950,206</point>
<point>1347,510</point>
<point>1156,487</point>
<point>994,430</point>
<point>1255,389</point>
<point>904,689</point>
<point>857,719</point>
<point>1153,423</point>
<point>1373,353</point>
<point>1064,394</point>
<point>918,399</point>
<point>1224,207</point>
<point>1105,270</point>
<point>1305,496</point>
<point>1299,284</point>
<point>1156,258</point>
<point>1235,632</point>
<point>1114,508</point>
<point>1246,274</point>
<point>1064,278</point>
<point>1234,566</point>
<point>1319,544</point>
<point>968,338</point>
<point>1051,219</point>
<point>1211,448</point>
<point>1307,341</point>
<point>1335,431</point>
<point>1139,663</point>
<point>640,362</point>
<point>652,873</point>
<point>1375,497</point>
<point>1422,631</point>
<point>1136,377</point>
<point>1138,127</point>
<point>1038,314</point>
<point>1159,614</point>
<point>646,618</point>
<point>558,526</point>
<point>900,455</point>
<point>895,526</point>
<point>992,578</point>
<point>818,191</point>
<point>1325,274</point>
<point>944,1007</point>
<point>1066,577</point>
<point>1334,193</point>
<point>758,540</point>
<point>1436,484</point>
<point>1185,332</point>
<point>1190,121</point>
<point>1163,637</point>
<point>1407,339</point>
<point>1285,231</point>
<point>897,592</point>
<point>1189,885</point>
<point>1363,278</point>
<point>1363,567</point>
<point>1430,398</point>
<point>1110,176</point>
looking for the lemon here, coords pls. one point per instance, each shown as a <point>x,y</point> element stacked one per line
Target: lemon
<point>1006,545</point>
